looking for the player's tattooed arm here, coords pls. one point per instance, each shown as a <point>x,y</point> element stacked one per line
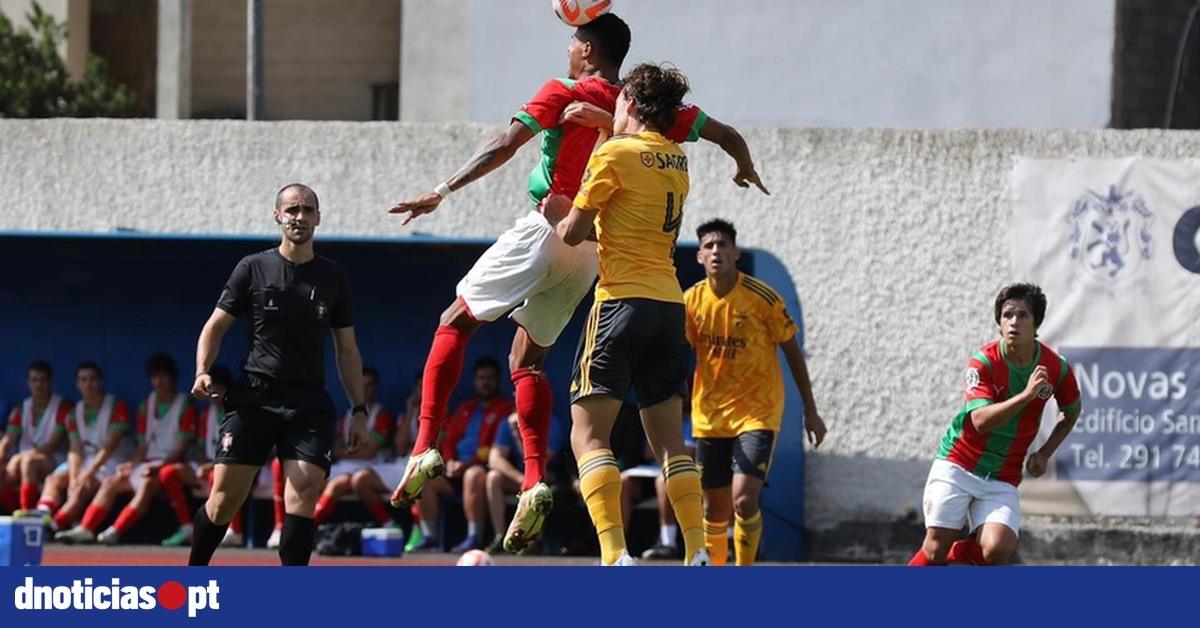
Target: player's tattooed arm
<point>735,146</point>
<point>491,155</point>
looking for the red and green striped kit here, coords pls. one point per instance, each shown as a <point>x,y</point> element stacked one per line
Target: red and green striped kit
<point>991,378</point>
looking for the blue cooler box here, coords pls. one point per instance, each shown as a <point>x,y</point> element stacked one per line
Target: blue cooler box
<point>21,540</point>
<point>382,542</point>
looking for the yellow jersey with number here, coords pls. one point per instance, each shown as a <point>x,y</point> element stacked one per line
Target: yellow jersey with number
<point>637,184</point>
<point>738,385</point>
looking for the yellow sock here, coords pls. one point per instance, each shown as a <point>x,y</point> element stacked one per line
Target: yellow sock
<point>746,535</point>
<point>600,483</point>
<point>683,489</point>
<point>717,541</point>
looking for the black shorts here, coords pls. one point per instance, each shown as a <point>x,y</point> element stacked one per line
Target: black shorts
<point>749,453</point>
<point>638,343</point>
<point>261,416</point>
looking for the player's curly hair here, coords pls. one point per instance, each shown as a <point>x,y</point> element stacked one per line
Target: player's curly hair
<point>656,91</point>
<point>1029,293</point>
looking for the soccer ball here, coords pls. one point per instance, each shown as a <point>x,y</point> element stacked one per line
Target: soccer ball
<point>476,558</point>
<point>580,12</point>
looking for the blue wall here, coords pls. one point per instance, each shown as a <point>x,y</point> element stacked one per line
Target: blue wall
<point>116,299</point>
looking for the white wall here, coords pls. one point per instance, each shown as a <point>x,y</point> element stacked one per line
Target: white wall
<point>897,240</point>
<point>832,63</point>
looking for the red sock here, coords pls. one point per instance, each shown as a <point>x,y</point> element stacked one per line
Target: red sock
<point>277,492</point>
<point>49,504</point>
<point>443,367</point>
<point>966,552</point>
<point>534,402</point>
<point>9,499</point>
<point>325,507</point>
<point>29,495</point>
<point>920,560</point>
<point>126,519</point>
<point>62,519</point>
<point>235,524</point>
<point>94,517</point>
<point>380,512</point>
<point>172,485</point>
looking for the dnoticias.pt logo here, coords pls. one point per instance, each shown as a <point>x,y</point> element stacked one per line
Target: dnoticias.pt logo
<point>83,595</point>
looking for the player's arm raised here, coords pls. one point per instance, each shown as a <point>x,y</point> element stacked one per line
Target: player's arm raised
<point>207,348</point>
<point>491,155</point>
<point>735,146</point>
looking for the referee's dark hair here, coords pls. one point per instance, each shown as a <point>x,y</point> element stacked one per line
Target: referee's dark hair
<point>162,362</point>
<point>370,371</point>
<point>295,186</point>
<point>723,227</point>
<point>42,366</point>
<point>221,375</point>
<point>487,362</point>
<point>88,365</point>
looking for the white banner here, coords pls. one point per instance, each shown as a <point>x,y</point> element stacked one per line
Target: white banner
<point>1115,244</point>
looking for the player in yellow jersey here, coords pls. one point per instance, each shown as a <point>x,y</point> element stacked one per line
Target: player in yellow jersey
<point>736,323</point>
<point>633,193</point>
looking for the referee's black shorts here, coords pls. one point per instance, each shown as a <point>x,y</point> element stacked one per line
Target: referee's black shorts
<point>638,343</point>
<point>261,415</point>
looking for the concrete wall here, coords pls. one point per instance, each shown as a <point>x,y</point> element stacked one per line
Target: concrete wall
<point>322,56</point>
<point>826,63</point>
<point>896,240</point>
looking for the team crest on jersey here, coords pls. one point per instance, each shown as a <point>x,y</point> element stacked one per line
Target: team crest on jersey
<point>1110,234</point>
<point>1045,392</point>
<point>322,311</point>
<point>972,379</point>
<point>648,160</point>
<point>226,441</point>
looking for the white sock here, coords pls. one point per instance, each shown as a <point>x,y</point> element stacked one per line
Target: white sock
<point>429,528</point>
<point>666,535</point>
<point>473,529</point>
<point>43,508</point>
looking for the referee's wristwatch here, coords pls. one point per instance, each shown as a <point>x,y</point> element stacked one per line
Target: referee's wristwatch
<point>362,407</point>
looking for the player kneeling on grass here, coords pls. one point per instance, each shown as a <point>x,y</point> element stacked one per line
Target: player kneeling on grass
<point>979,465</point>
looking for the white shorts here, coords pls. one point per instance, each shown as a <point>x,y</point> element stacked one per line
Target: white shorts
<point>532,269</point>
<point>347,467</point>
<point>136,479</point>
<point>955,496</point>
<point>391,472</point>
<point>105,470</point>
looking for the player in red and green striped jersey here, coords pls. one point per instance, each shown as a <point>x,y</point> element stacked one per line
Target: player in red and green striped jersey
<point>985,452</point>
<point>529,273</point>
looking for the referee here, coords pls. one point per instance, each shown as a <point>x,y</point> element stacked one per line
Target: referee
<point>293,297</point>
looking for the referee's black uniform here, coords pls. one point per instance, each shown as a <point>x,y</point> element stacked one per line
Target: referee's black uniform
<point>280,400</point>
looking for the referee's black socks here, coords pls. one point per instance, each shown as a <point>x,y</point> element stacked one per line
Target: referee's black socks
<point>206,537</point>
<point>296,540</point>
